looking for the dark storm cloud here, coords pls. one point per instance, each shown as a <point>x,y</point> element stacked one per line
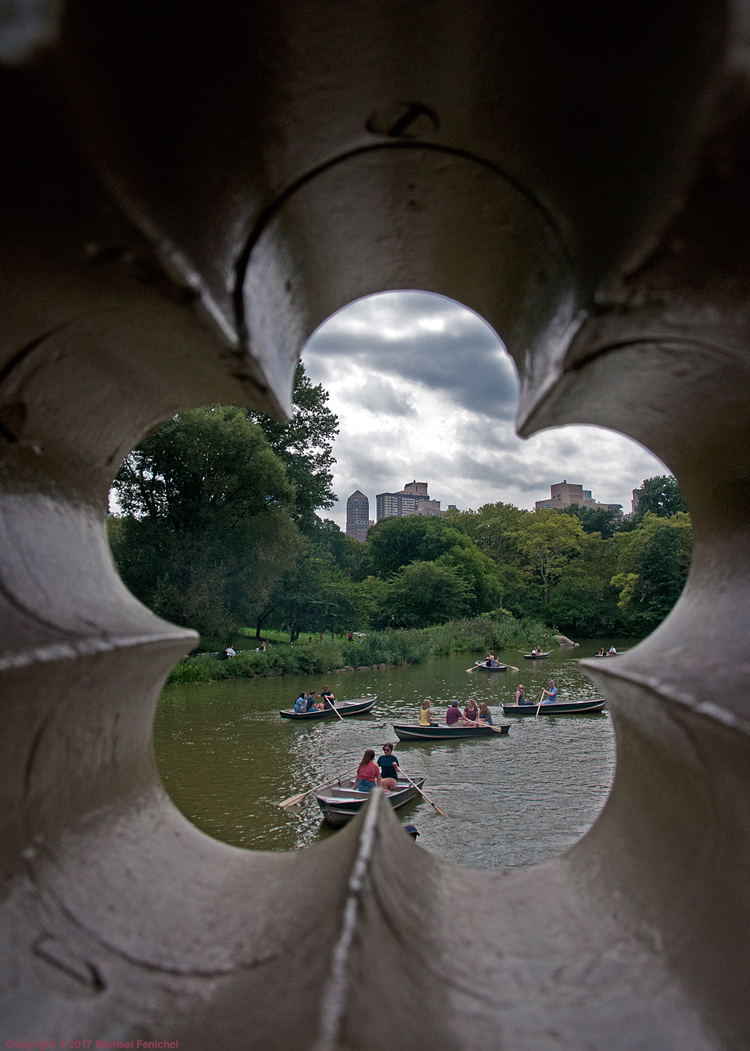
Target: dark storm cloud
<point>424,339</point>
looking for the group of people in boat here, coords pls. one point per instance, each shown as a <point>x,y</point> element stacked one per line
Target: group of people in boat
<point>306,702</point>
<point>472,715</point>
<point>612,652</point>
<point>549,696</point>
<point>491,661</point>
<point>383,773</point>
<point>537,652</point>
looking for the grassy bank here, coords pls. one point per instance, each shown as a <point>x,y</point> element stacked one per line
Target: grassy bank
<point>377,647</point>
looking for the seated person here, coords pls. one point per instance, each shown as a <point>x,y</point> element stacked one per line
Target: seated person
<point>491,662</point>
<point>389,768</point>
<point>471,712</point>
<point>368,773</point>
<point>300,705</point>
<point>612,650</point>
<point>551,693</point>
<point>230,651</point>
<point>453,715</point>
<point>328,697</point>
<point>425,715</point>
<point>520,699</point>
<point>602,652</point>
<point>485,716</point>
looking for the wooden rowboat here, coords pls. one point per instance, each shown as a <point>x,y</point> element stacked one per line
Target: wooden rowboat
<point>449,733</point>
<point>559,708</point>
<point>340,801</point>
<point>355,707</point>
<point>536,656</point>
<point>481,666</point>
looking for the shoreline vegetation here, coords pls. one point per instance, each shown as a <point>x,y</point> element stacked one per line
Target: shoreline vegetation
<point>377,649</point>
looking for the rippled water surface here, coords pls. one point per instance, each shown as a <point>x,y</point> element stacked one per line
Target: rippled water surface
<point>227,758</point>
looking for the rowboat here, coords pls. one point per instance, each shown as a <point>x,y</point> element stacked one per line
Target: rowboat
<point>536,656</point>
<point>481,666</point>
<point>449,733</point>
<point>339,799</point>
<point>355,707</point>
<point>559,708</point>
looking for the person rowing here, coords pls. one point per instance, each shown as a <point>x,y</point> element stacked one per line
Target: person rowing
<point>389,768</point>
<point>551,693</point>
<point>491,661</point>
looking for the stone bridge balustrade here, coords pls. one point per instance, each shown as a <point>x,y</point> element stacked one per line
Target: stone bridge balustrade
<point>188,190</point>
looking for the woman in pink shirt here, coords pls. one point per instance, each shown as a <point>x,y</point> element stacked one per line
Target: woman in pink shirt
<point>368,773</point>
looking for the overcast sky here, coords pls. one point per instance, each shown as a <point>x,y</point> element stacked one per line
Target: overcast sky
<point>425,390</point>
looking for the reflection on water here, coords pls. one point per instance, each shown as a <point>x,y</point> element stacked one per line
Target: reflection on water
<point>226,758</point>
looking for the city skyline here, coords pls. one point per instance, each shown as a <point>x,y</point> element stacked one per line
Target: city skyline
<point>424,388</point>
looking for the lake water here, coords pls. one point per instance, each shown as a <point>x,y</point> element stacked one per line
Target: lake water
<point>227,758</point>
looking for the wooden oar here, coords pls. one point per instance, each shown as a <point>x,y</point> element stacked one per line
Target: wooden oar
<point>337,711</point>
<point>539,706</point>
<point>292,800</point>
<point>435,807</point>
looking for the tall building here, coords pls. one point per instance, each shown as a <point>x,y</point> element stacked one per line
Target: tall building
<point>413,499</point>
<point>565,494</point>
<point>358,516</point>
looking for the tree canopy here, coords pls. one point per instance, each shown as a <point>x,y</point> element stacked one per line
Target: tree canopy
<point>660,496</point>
<point>206,532</point>
<point>305,447</point>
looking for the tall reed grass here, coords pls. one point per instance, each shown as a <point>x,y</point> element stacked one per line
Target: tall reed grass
<point>377,647</point>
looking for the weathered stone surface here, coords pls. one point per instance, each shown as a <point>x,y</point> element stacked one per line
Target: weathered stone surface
<point>219,180</point>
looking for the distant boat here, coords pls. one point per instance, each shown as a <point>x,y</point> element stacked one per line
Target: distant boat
<point>449,733</point>
<point>559,708</point>
<point>483,666</point>
<point>355,707</point>
<point>537,656</point>
<point>340,801</point>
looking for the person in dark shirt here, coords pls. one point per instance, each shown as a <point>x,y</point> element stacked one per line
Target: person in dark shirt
<point>328,697</point>
<point>453,715</point>
<point>388,764</point>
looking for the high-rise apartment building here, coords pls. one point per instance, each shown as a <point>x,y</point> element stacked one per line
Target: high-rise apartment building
<point>565,494</point>
<point>413,499</point>
<point>358,516</point>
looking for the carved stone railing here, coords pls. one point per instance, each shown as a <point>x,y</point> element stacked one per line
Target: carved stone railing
<point>187,191</point>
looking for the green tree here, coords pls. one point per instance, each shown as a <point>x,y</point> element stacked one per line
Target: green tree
<point>661,496</point>
<point>420,594</point>
<point>205,533</point>
<point>595,519</point>
<point>305,447</point>
<point>548,540</point>
<point>653,562</point>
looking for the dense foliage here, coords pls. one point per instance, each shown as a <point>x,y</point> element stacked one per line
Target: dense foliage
<point>379,647</point>
<point>218,529</point>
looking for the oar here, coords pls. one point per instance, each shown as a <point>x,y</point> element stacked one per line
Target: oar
<point>292,800</point>
<point>539,706</point>
<point>337,711</point>
<point>435,807</point>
